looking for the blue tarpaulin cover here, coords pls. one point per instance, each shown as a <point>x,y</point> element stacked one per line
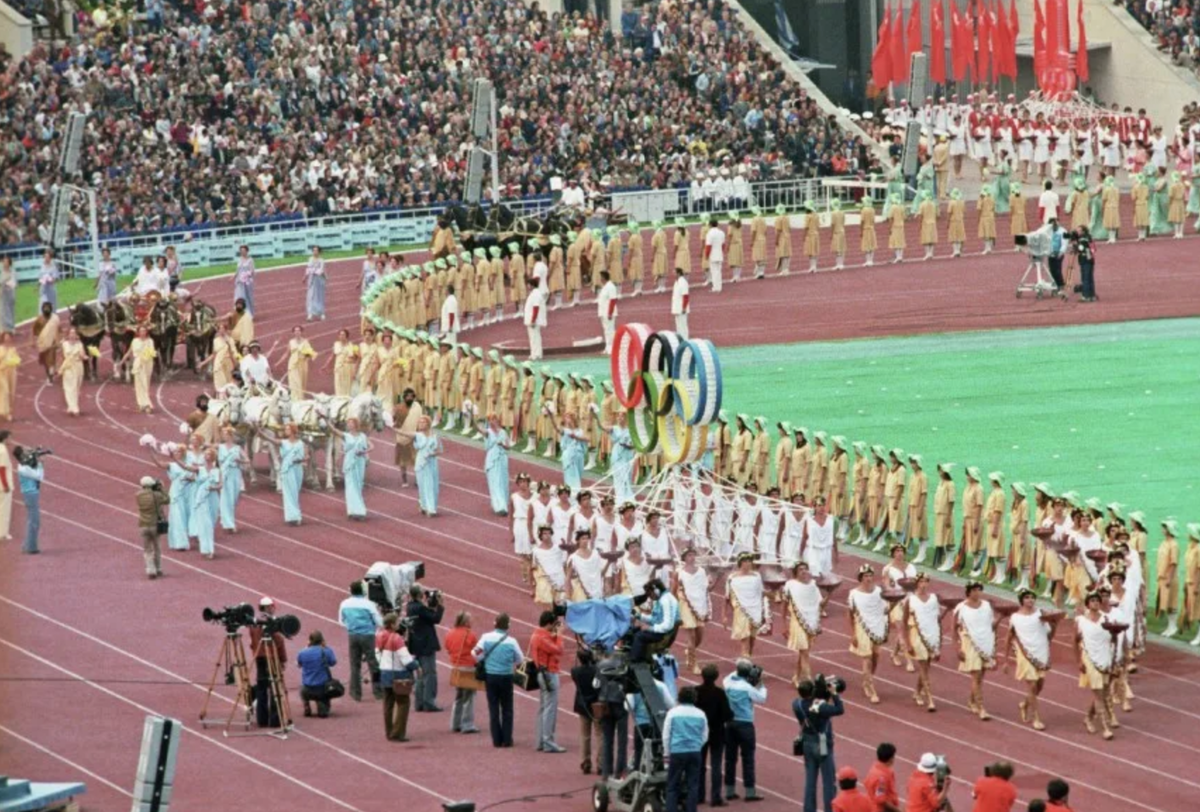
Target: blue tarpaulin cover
<point>601,622</point>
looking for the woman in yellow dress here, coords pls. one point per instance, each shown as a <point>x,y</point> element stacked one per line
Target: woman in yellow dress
<point>837,233</point>
<point>10,360</point>
<point>574,271</point>
<point>734,254</point>
<point>929,229</point>
<point>368,362</point>
<point>986,206</point>
<point>896,239</point>
<point>636,264</point>
<point>1017,222</point>
<point>224,357</point>
<point>345,361</point>
<point>868,242</point>
<point>556,282</point>
<point>142,351</point>
<point>1140,194</point>
<point>758,242</point>
<point>1110,204</point>
<point>783,241</point>
<point>957,232</point>
<point>387,386</point>
<point>1177,204</point>
<point>683,245</point>
<point>1079,205</point>
<point>658,257</point>
<point>741,459</point>
<point>812,235</point>
<point>71,370</point>
<point>300,353</point>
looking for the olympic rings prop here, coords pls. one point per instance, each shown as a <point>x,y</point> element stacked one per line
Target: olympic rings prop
<point>670,387</point>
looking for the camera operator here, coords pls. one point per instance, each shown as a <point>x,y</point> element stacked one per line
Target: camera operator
<point>711,699</point>
<point>545,649</point>
<point>1058,249</point>
<point>927,791</point>
<point>361,619</point>
<point>995,792</point>
<point>424,612</point>
<point>30,476</point>
<point>1085,252</point>
<point>744,689</point>
<point>264,704</point>
<point>150,501</point>
<point>815,709</point>
<point>656,624</point>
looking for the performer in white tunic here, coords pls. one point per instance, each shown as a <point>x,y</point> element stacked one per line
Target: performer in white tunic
<point>1094,653</point>
<point>818,542</point>
<point>791,532</point>
<point>721,529</point>
<point>691,584</point>
<point>803,598</point>
<point>976,625</point>
<point>868,627</point>
<point>922,632</point>
<point>656,543</point>
<point>682,488</point>
<point>1028,643</point>
<point>894,571</point>
<point>635,569</point>
<point>520,513</point>
<point>628,526</point>
<point>744,593</point>
<point>1123,610</point>
<point>769,519</point>
<point>604,536</point>
<point>585,569</point>
<point>701,516</point>
<point>583,515</point>
<point>746,522</point>
<point>561,513</point>
<point>549,575</point>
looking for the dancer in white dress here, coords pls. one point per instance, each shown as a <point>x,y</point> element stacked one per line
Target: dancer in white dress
<point>804,603</point>
<point>746,521</point>
<point>1094,653</point>
<point>561,513</point>
<point>691,584</point>
<point>682,501</point>
<point>818,542</point>
<point>628,525</point>
<point>791,531</point>
<point>896,570</point>
<point>701,516</point>
<point>549,574</point>
<point>922,632</point>
<point>583,517</point>
<point>766,538</point>
<point>636,571</point>
<point>656,543</point>
<point>585,569</point>
<point>1028,642</point>
<point>721,528</point>
<point>604,536</point>
<point>976,624</point>
<point>744,594</point>
<point>868,616</point>
<point>520,512</point>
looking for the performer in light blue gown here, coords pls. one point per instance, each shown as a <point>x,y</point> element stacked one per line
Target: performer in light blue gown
<point>574,450</point>
<point>106,278</point>
<point>243,280</point>
<point>204,491</point>
<point>356,451</point>
<point>230,459</point>
<point>292,458</point>
<point>622,459</point>
<point>314,276</point>
<point>496,443</point>
<point>429,448</point>
<point>182,476</point>
<point>194,462</point>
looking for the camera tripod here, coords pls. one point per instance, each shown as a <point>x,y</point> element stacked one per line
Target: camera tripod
<point>231,660</point>
<point>1036,279</point>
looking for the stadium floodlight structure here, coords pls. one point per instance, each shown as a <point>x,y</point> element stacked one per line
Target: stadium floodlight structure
<point>483,125</point>
<point>78,262</point>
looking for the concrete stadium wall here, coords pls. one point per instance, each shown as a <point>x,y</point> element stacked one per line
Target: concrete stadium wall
<point>16,32</point>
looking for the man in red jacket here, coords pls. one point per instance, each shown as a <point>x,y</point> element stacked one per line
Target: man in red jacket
<point>850,798</point>
<point>545,649</point>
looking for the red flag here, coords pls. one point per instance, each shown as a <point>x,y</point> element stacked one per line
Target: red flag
<point>1052,32</point>
<point>982,72</point>
<point>937,44</point>
<point>914,29</point>
<point>1081,54</point>
<point>958,50</point>
<point>1039,41</point>
<point>881,57</point>
<point>1014,24</point>
<point>899,54</point>
<point>1003,45</point>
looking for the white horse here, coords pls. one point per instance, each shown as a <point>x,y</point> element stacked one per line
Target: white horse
<point>265,412</point>
<point>335,411</point>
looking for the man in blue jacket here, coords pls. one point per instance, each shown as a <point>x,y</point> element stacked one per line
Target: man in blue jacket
<point>816,739</point>
<point>743,695</point>
<point>685,732</point>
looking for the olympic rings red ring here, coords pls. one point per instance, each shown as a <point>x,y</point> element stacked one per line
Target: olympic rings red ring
<point>626,363</point>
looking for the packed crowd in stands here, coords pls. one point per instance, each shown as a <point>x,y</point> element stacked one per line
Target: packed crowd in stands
<point>212,113</point>
<point>1174,23</point>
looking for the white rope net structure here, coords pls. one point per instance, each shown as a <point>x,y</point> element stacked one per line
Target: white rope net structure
<point>1077,111</point>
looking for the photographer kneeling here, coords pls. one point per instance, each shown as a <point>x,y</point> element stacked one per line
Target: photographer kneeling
<point>818,703</point>
<point>424,612</point>
<point>744,690</point>
<point>316,679</point>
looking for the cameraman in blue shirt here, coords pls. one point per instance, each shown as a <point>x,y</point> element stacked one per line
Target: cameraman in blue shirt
<point>30,476</point>
<point>744,690</point>
<point>815,714</point>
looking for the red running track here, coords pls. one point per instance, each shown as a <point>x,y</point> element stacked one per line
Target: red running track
<point>88,646</point>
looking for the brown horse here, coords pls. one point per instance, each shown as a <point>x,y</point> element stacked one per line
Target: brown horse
<point>89,322</point>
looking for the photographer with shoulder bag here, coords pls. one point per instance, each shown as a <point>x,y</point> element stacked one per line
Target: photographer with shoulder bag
<point>316,679</point>
<point>150,501</point>
<point>814,710</point>
<point>396,667</point>
<point>459,643</point>
<point>545,652</point>
<point>497,656</point>
<point>425,611</point>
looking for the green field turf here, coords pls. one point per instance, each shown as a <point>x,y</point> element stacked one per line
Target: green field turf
<point>1108,410</point>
